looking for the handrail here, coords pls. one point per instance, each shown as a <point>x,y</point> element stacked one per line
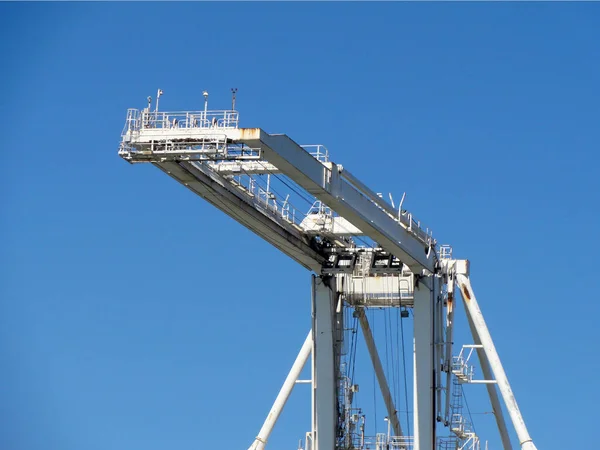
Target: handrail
<point>143,120</point>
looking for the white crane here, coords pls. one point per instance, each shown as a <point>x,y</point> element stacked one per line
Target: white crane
<point>364,253</point>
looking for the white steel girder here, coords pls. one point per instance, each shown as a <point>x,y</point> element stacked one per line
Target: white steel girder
<point>424,409</point>
<point>324,411</point>
<point>491,388</point>
<point>362,208</point>
<point>281,235</point>
<point>476,317</point>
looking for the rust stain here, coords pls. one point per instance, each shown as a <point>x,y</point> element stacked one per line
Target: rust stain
<point>465,292</point>
<point>249,133</point>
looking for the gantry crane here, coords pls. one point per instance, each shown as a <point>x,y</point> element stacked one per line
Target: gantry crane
<point>363,252</point>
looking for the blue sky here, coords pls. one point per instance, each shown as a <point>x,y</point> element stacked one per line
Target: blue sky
<point>136,316</point>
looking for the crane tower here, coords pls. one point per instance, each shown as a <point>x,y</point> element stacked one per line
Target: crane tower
<point>365,254</point>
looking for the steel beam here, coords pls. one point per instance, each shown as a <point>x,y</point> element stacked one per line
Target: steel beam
<point>475,315</point>
<point>491,388</point>
<point>222,195</point>
<point>424,410</point>
<point>324,396</point>
<point>326,182</point>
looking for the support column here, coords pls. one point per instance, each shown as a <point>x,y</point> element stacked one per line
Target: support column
<point>474,314</point>
<point>324,375</point>
<point>424,409</point>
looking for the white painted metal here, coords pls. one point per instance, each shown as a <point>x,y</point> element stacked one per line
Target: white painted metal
<point>381,379</point>
<point>423,398</point>
<point>201,150</point>
<point>492,391</point>
<point>380,291</point>
<point>327,225</point>
<point>292,378</point>
<point>473,311</point>
<point>243,167</point>
<point>324,376</point>
<point>326,182</point>
<point>242,208</point>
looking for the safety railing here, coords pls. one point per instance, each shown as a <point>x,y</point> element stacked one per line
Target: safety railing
<point>143,120</point>
<point>384,442</point>
<point>265,200</point>
<point>401,442</point>
<point>445,252</point>
<point>319,152</point>
<point>461,368</point>
<point>318,207</point>
<point>448,443</point>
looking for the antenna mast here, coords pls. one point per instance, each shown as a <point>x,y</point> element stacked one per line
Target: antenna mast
<point>233,92</point>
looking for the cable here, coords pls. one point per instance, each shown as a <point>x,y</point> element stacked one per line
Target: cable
<point>310,201</point>
<point>300,194</point>
<point>261,184</point>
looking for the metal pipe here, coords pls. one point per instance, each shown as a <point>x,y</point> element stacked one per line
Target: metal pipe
<point>383,385</point>
<point>264,433</point>
<point>475,315</point>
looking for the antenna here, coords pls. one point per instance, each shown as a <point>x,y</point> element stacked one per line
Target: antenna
<point>149,103</point>
<point>401,203</point>
<point>158,94</point>
<point>205,93</point>
<point>233,92</point>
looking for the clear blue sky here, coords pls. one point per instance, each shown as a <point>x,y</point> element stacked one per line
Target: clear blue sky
<point>135,316</point>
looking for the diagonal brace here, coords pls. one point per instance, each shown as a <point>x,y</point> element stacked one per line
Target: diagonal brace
<point>476,317</point>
